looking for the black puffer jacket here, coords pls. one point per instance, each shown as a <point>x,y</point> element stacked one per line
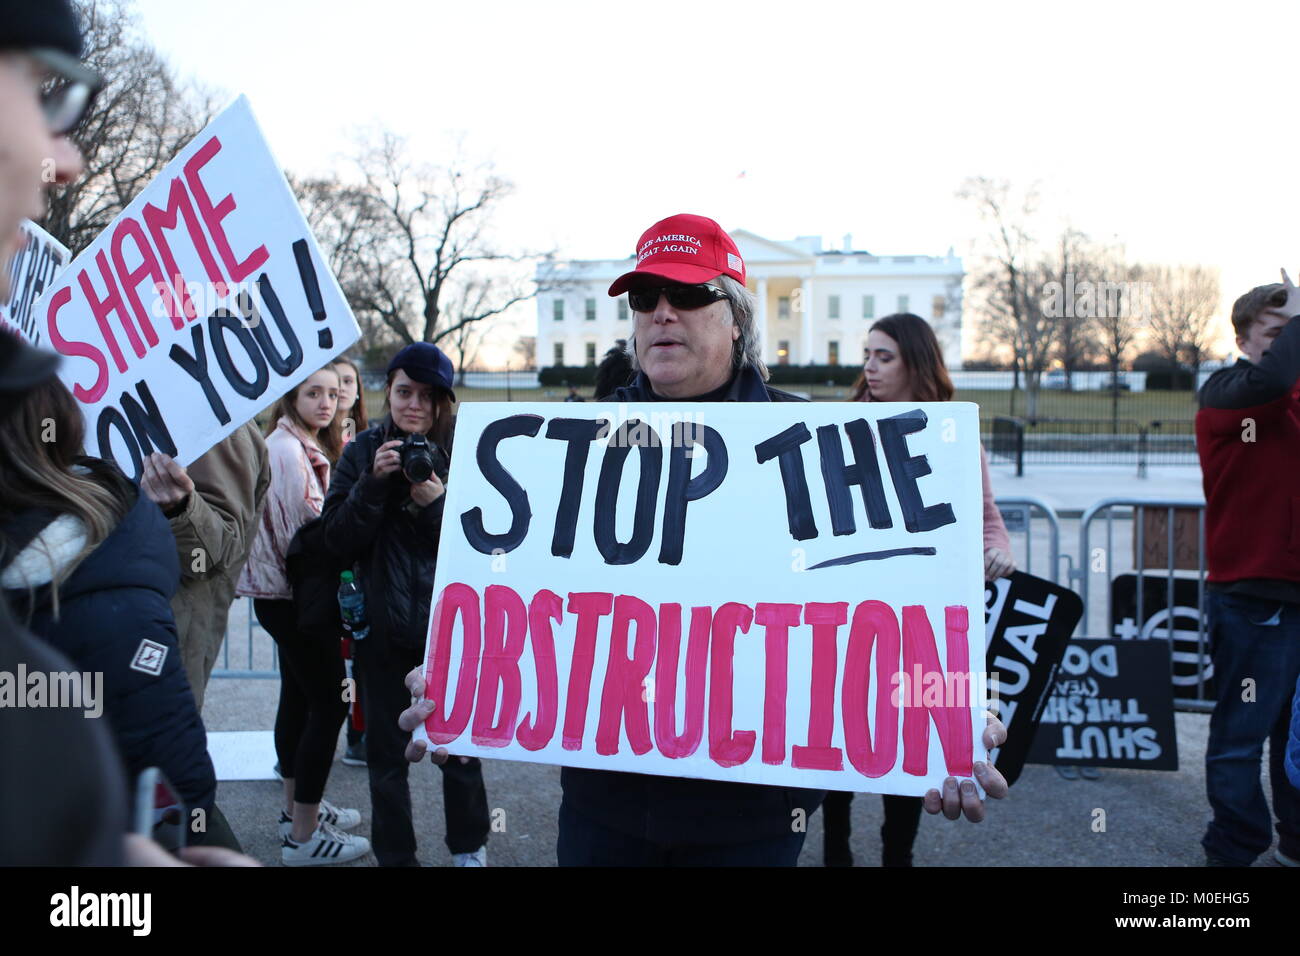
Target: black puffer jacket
<point>115,618</point>
<point>372,522</point>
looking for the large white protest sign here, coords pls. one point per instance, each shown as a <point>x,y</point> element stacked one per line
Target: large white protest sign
<point>34,266</point>
<point>202,303</point>
<point>769,593</point>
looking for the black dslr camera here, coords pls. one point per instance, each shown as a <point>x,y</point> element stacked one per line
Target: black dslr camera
<point>417,459</point>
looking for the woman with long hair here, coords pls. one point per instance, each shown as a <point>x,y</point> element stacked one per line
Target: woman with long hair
<point>384,512</point>
<point>904,363</point>
<point>89,565</point>
<point>352,399</point>
<point>303,440</point>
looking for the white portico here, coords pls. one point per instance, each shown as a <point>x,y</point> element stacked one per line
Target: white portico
<point>815,306</point>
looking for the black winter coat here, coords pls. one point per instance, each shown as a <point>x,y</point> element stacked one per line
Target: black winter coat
<point>371,521</point>
<point>115,617</point>
<point>675,810</point>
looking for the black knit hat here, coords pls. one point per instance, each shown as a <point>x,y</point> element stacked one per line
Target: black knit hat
<point>33,24</point>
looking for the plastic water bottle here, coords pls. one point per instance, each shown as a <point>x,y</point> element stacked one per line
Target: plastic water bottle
<point>352,606</point>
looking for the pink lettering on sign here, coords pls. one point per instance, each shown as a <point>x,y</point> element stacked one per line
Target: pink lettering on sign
<point>492,635</point>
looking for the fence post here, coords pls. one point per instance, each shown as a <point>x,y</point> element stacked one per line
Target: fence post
<point>1142,451</point>
<point>1020,449</point>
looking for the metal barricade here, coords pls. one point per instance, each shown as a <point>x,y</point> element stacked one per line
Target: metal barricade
<point>1100,562</point>
<point>1018,514</point>
<point>260,658</point>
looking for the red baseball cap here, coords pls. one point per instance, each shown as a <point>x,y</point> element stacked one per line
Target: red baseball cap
<point>683,248</point>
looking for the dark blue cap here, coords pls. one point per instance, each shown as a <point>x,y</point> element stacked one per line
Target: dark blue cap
<point>33,24</point>
<point>426,363</point>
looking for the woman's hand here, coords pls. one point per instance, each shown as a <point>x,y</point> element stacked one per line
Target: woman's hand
<point>427,492</point>
<point>164,482</point>
<point>956,800</point>
<point>388,459</point>
<point>997,564</point>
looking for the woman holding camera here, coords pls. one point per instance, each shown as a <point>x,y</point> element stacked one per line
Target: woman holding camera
<point>384,512</point>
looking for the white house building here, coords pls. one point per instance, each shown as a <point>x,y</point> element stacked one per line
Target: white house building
<point>815,305</point>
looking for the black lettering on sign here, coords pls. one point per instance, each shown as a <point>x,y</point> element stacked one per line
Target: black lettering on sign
<point>311,287</point>
<point>196,366</point>
<point>646,439</point>
<point>579,433</point>
<point>282,365</point>
<point>221,322</point>
<point>864,472</point>
<point>905,469</point>
<point>147,422</point>
<point>798,506</point>
<point>682,488</point>
<point>111,419</point>
<point>504,482</point>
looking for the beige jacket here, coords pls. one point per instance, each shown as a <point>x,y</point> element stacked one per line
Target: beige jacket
<point>214,531</point>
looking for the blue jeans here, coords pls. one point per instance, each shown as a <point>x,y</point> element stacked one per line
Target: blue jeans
<point>584,842</point>
<point>1259,640</point>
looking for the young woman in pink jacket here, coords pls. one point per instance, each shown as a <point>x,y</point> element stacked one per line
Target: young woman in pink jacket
<point>303,441</point>
<point>905,364</point>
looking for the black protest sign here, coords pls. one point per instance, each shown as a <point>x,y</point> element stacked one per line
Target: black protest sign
<point>1178,622</point>
<point>1111,706</point>
<point>201,304</point>
<point>1027,623</point>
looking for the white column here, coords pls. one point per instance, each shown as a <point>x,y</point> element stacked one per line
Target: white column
<point>760,318</point>
<point>806,320</point>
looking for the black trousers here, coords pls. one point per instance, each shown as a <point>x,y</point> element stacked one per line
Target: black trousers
<point>384,696</point>
<point>902,820</point>
<point>312,707</point>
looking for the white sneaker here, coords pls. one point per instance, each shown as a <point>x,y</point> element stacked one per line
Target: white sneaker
<point>477,858</point>
<point>338,817</point>
<point>326,845</point>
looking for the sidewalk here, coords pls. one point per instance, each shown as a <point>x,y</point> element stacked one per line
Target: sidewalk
<point>1071,489</point>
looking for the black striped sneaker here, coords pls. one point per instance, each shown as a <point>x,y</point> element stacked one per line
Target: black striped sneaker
<point>327,845</point>
<point>340,818</point>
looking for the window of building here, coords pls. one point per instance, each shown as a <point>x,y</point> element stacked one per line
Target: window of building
<point>591,310</point>
<point>783,352</point>
<point>559,353</point>
<point>557,310</point>
<point>622,309</point>
<point>591,353</point>
<point>833,307</point>
<point>833,352</point>
<point>783,307</point>
<point>937,306</point>
<point>902,303</point>
<point>868,306</point>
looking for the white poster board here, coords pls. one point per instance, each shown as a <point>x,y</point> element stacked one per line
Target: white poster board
<point>34,266</point>
<point>796,598</point>
<point>202,303</point>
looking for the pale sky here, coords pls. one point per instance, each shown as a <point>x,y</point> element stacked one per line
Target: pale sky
<point>1163,125</point>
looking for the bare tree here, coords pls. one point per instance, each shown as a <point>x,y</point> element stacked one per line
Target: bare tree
<point>1181,301</point>
<point>1119,318</point>
<point>141,119</point>
<point>526,349</point>
<point>1074,332</point>
<point>1005,279</point>
<point>412,247</point>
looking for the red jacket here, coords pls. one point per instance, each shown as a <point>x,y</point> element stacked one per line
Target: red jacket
<point>1250,465</point>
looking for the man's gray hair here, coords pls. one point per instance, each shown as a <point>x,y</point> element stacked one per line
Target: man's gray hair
<point>748,348</point>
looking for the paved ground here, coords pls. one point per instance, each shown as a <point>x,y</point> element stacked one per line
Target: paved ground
<point>1150,818</point>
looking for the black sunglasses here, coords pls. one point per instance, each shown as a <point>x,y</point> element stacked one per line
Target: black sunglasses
<point>679,296</point>
<point>67,97</point>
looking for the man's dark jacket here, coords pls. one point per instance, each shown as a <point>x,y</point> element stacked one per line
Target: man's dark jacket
<point>681,810</point>
<point>372,522</point>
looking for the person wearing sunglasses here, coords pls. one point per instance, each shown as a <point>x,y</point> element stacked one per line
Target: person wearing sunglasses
<point>695,339</point>
<point>45,93</point>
